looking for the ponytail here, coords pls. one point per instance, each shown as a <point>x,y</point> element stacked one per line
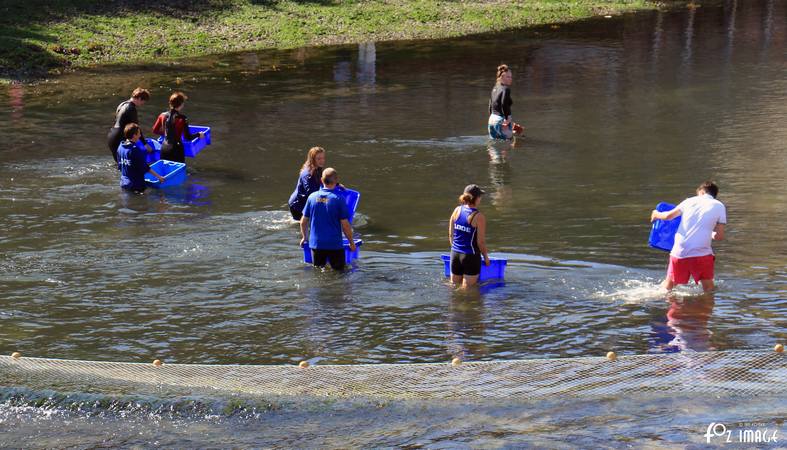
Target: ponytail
<point>467,199</point>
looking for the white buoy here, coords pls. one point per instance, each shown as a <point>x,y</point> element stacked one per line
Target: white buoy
<point>16,355</point>
<point>303,364</point>
<point>779,348</point>
<point>157,362</point>
<point>612,356</point>
<point>456,361</point>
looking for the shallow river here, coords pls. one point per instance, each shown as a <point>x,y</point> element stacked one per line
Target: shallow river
<point>620,114</point>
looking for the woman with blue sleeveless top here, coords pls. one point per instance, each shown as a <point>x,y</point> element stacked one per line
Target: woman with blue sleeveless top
<point>308,181</point>
<point>467,235</point>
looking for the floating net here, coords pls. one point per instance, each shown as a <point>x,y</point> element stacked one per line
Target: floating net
<point>724,373</point>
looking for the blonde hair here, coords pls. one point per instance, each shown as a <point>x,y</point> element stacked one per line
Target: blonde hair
<point>467,198</point>
<point>311,159</point>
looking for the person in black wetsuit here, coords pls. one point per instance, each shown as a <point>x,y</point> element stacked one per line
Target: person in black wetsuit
<point>125,114</point>
<point>174,126</point>
<point>501,125</point>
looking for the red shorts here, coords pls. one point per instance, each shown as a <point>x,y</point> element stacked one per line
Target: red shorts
<point>698,267</point>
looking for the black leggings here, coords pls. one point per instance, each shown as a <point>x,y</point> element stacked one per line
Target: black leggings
<point>114,137</point>
<point>296,215</point>
<point>335,257</point>
<point>173,152</point>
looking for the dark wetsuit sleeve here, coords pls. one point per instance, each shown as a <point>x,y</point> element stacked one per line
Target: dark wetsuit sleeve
<point>500,101</point>
<point>186,132</point>
<point>507,102</point>
<point>128,114</point>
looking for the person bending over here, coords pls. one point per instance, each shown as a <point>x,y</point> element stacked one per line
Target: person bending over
<point>467,236</point>
<point>132,161</point>
<point>126,113</point>
<point>703,220</point>
<point>308,181</point>
<point>325,217</point>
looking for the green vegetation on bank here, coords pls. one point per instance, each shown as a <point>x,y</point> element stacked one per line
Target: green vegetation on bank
<point>39,37</point>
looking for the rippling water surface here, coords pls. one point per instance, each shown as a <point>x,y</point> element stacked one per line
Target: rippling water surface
<point>620,115</point>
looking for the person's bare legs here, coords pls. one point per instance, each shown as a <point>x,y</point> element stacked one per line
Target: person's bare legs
<point>470,280</point>
<point>668,283</point>
<point>456,279</point>
<point>707,285</point>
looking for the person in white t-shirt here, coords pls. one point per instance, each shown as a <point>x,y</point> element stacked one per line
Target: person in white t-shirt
<point>703,220</point>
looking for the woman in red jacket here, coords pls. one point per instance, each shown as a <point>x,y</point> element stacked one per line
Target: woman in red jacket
<point>174,126</point>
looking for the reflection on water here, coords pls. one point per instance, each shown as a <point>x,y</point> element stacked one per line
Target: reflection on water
<point>16,100</point>
<point>685,326</point>
<point>500,172</point>
<point>619,117</point>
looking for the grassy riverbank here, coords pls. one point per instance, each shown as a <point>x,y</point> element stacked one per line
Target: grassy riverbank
<point>44,37</point>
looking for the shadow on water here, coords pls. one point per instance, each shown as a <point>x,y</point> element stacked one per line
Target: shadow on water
<point>567,204</point>
<point>619,115</point>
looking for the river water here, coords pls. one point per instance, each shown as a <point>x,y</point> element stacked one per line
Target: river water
<point>620,114</point>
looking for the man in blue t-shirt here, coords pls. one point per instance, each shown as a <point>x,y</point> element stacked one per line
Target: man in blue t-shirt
<point>132,161</point>
<point>328,215</point>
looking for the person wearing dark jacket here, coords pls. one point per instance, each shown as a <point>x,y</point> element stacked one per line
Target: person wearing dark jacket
<point>174,126</point>
<point>501,125</point>
<point>308,181</point>
<point>126,113</point>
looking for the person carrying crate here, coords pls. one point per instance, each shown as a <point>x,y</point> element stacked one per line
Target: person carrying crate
<point>702,221</point>
<point>325,217</point>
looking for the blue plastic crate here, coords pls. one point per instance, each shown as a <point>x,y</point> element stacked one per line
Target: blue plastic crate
<point>352,198</point>
<point>174,173</point>
<point>662,232</point>
<point>153,156</point>
<point>349,255</point>
<point>194,146</point>
<point>496,270</point>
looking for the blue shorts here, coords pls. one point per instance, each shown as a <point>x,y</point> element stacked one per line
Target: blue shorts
<point>496,128</point>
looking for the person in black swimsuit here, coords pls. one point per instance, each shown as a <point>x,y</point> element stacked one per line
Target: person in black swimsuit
<point>125,114</point>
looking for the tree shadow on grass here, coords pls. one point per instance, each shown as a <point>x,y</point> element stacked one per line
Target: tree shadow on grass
<point>19,58</point>
<point>27,50</point>
<point>25,12</point>
<point>21,12</point>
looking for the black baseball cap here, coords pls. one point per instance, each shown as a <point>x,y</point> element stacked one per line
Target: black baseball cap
<point>474,190</point>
